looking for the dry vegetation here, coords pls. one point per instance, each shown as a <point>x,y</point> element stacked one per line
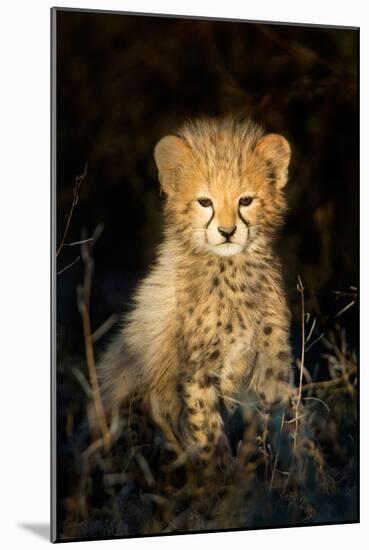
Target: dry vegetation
<point>288,467</point>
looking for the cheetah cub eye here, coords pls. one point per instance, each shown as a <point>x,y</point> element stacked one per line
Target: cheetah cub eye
<point>205,202</point>
<point>246,201</point>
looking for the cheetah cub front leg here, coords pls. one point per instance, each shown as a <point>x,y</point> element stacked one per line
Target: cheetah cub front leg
<point>272,365</point>
<point>202,424</point>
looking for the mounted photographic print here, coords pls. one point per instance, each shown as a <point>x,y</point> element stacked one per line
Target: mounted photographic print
<point>205,203</point>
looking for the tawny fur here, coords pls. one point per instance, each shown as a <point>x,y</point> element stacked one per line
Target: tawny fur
<point>210,320</point>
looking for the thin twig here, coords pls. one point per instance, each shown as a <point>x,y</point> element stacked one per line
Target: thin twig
<point>79,242</point>
<point>311,330</point>
<point>105,327</point>
<point>349,306</point>
<point>330,383</point>
<point>77,184</point>
<point>300,288</point>
<point>83,381</point>
<point>319,401</point>
<point>315,341</point>
<point>143,464</point>
<point>276,456</point>
<point>69,265</point>
<point>305,370</point>
<point>83,301</point>
<point>177,521</point>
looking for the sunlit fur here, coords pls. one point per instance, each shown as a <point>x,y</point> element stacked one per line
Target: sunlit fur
<point>210,319</point>
<point>222,166</point>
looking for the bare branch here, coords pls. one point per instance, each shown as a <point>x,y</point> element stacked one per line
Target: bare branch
<point>315,341</point>
<point>301,289</point>
<point>330,383</point>
<point>105,327</point>
<point>311,330</point>
<point>77,184</point>
<point>83,302</point>
<point>79,242</point>
<point>346,308</point>
<point>68,266</point>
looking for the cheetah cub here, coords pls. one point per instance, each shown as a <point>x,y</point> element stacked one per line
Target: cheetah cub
<point>210,319</point>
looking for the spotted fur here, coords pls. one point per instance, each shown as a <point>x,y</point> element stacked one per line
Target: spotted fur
<point>210,319</point>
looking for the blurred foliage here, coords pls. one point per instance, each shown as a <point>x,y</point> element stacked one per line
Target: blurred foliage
<point>125,81</point>
<point>132,489</point>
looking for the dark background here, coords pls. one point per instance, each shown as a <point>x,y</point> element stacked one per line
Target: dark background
<point>125,81</point>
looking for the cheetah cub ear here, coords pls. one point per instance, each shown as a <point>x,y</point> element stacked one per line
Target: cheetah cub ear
<point>276,153</point>
<point>171,154</point>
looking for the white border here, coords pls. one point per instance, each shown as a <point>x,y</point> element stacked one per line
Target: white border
<point>25,245</point>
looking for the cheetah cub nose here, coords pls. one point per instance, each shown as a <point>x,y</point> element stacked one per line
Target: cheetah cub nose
<point>227,232</point>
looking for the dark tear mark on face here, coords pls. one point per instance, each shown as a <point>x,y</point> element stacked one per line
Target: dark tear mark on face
<point>211,217</point>
<point>242,218</point>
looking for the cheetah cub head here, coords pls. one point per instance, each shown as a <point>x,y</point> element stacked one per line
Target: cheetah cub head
<point>224,183</point>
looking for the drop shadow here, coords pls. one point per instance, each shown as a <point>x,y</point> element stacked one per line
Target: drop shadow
<point>42,530</point>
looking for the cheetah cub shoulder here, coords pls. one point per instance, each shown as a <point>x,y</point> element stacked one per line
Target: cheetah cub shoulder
<point>210,320</point>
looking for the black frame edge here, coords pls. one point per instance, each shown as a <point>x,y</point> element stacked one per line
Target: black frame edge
<point>53,431</point>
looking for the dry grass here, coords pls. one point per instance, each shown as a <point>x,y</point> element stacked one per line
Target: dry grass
<point>289,466</point>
